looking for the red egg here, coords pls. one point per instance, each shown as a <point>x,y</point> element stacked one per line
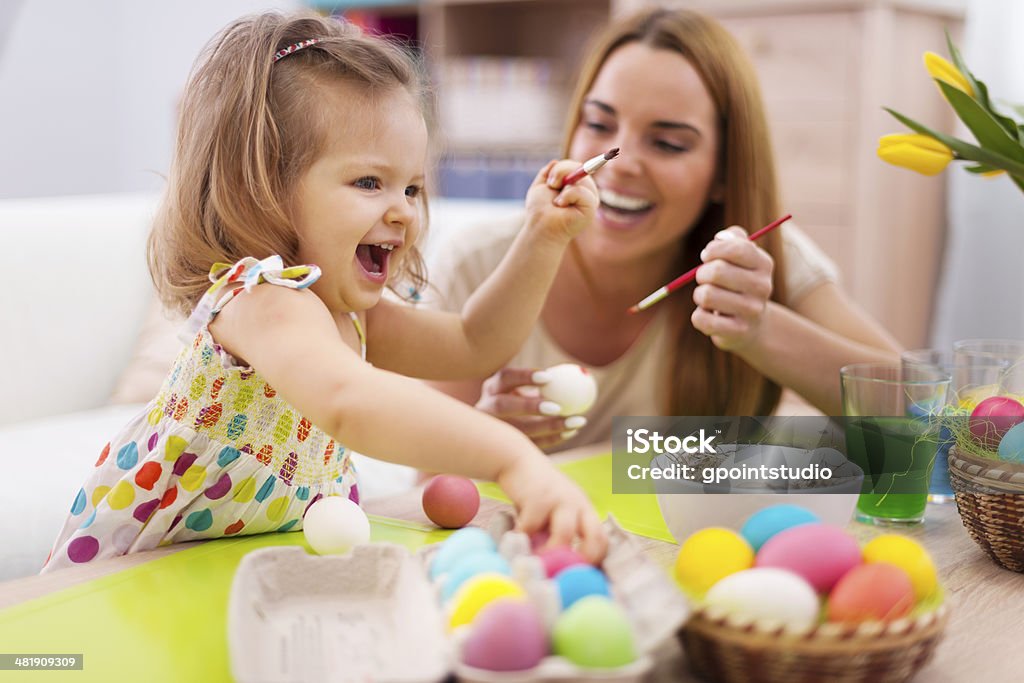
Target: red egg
<point>993,417</point>
<point>450,502</point>
<point>559,557</point>
<point>871,592</point>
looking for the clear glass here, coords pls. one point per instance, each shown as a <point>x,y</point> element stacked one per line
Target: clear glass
<point>974,377</point>
<point>1009,350</point>
<point>892,433</point>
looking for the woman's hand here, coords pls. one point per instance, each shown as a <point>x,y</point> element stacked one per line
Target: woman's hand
<point>503,396</point>
<point>560,212</point>
<point>734,286</point>
<point>547,500</point>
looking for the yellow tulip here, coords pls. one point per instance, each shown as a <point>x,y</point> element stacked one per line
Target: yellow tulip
<point>917,152</point>
<point>942,70</point>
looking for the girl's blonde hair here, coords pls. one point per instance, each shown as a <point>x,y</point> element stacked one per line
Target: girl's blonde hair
<point>706,380</point>
<point>248,129</point>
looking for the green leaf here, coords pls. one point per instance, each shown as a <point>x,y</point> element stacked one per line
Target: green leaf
<point>980,168</point>
<point>1008,124</point>
<point>963,149</point>
<point>986,128</point>
<point>980,91</point>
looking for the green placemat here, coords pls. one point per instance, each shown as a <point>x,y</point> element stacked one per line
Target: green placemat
<point>637,513</point>
<point>165,620</point>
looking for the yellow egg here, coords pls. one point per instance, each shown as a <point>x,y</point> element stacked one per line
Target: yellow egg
<point>477,593</point>
<point>908,555</point>
<point>709,555</point>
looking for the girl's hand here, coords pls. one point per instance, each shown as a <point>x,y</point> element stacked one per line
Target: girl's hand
<point>546,499</point>
<point>560,212</point>
<point>735,284</point>
<point>501,396</point>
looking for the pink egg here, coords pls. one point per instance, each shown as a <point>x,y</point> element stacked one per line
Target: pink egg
<point>820,553</point>
<point>559,557</point>
<point>871,592</point>
<point>450,502</point>
<point>507,635</point>
<point>992,418</point>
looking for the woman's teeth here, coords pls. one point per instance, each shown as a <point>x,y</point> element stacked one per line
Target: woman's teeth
<point>624,203</point>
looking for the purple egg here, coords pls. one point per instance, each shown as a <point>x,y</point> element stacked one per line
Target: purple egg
<point>507,635</point>
<point>820,553</point>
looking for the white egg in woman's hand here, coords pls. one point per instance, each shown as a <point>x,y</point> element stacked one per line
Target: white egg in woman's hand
<point>333,525</point>
<point>571,387</point>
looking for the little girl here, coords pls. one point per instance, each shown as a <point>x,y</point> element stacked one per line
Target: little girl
<point>302,141</point>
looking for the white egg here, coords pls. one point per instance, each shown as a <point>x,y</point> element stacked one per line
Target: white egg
<point>767,593</point>
<point>333,525</point>
<point>571,387</point>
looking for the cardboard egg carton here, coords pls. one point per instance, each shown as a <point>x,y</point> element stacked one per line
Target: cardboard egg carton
<point>373,615</point>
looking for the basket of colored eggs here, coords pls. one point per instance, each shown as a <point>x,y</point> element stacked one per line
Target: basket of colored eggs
<point>517,610</point>
<point>986,470</point>
<point>791,599</point>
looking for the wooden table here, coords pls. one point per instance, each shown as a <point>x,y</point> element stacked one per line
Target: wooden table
<point>982,640</point>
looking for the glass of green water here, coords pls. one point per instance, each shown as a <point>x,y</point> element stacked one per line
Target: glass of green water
<point>892,415</point>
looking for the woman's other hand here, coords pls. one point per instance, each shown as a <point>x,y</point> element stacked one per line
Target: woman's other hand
<point>513,395</point>
<point>734,286</point>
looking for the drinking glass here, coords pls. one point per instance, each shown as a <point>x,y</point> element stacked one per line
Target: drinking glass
<point>974,377</point>
<point>892,433</point>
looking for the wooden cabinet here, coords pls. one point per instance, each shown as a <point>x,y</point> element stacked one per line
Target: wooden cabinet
<point>504,70</point>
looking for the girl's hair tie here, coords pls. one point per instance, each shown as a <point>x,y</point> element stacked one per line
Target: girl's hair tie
<point>285,51</point>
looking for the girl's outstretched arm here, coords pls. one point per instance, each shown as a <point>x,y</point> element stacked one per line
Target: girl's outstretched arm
<point>293,341</point>
<point>497,319</point>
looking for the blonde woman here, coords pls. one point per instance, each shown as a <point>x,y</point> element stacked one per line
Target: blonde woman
<point>695,175</point>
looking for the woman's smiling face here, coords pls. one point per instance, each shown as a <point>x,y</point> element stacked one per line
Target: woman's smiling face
<point>653,105</point>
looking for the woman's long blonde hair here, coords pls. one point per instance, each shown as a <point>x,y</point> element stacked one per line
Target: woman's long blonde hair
<point>706,380</point>
<point>248,129</point>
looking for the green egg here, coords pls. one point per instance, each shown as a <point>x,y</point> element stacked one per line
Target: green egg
<point>594,633</point>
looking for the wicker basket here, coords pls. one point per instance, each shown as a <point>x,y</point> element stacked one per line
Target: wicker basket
<point>990,499</point>
<point>723,648</point>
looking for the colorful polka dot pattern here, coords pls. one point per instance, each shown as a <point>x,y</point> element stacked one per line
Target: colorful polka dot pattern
<point>217,453</point>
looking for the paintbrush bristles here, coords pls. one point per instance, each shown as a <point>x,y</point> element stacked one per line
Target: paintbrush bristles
<point>612,153</point>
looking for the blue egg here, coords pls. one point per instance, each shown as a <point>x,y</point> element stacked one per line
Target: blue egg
<point>1011,446</point>
<point>579,581</point>
<point>463,542</point>
<point>769,521</point>
<point>468,566</point>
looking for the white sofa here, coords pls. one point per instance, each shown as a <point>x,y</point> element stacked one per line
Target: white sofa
<point>75,296</point>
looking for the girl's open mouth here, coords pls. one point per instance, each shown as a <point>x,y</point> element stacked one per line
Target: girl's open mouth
<point>373,259</point>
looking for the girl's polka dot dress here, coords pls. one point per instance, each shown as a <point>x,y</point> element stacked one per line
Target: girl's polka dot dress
<point>216,453</point>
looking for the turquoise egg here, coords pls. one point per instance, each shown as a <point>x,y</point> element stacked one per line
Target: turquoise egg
<point>469,566</point>
<point>769,521</point>
<point>463,542</point>
<point>578,582</point>
<point>1011,446</point>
